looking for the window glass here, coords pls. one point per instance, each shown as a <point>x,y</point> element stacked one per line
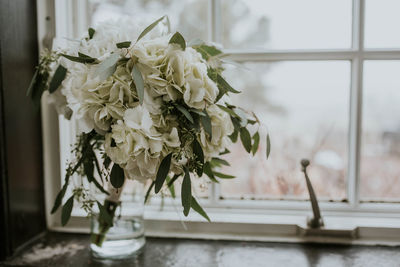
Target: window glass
<point>305,106</point>
<point>382,24</point>
<point>380,157</point>
<point>188,17</point>
<point>286,24</point>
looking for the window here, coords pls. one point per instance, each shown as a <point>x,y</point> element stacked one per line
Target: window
<point>323,77</point>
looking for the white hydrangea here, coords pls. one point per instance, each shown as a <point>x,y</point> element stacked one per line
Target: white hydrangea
<point>222,127</point>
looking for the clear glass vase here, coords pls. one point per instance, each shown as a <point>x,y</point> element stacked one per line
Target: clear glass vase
<point>125,238</point>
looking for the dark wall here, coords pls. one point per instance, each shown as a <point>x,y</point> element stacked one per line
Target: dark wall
<point>22,204</point>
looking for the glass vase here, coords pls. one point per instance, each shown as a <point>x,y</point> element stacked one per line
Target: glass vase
<point>125,237</point>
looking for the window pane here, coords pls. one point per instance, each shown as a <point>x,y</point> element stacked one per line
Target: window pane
<point>187,17</point>
<point>305,106</point>
<point>286,24</point>
<point>382,23</point>
<point>380,159</point>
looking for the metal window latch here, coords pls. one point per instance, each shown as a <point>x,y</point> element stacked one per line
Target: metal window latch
<point>316,221</point>
<point>316,230</point>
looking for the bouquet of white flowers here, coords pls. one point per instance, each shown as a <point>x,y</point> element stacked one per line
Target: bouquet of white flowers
<point>155,107</point>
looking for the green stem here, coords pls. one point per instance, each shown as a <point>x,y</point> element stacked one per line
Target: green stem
<point>99,237</point>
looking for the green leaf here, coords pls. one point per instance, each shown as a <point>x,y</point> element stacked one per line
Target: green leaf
<point>107,162</point>
<point>148,192</point>
<point>185,112</point>
<point>91,32</point>
<point>199,209</point>
<point>105,215</point>
<point>66,211</point>
<point>32,85</point>
<point>209,172</point>
<point>177,38</point>
<point>234,136</point>
<point>57,79</point>
<point>126,44</point>
<point>81,59</point>
<point>60,196</point>
<point>149,28</point>
<point>88,168</point>
<point>222,83</point>
<point>107,67</point>
<point>171,187</point>
<point>223,176</point>
<point>268,146</point>
<point>228,110</point>
<point>176,176</point>
<point>245,138</point>
<point>198,151</point>
<point>198,112</point>
<point>207,51</point>
<point>186,194</point>
<point>162,172</point>
<point>226,151</point>
<point>139,83</point>
<point>206,122</point>
<point>218,162</point>
<point>117,176</point>
<point>256,141</point>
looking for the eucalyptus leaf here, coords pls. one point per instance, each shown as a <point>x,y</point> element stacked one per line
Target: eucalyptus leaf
<point>107,162</point>
<point>117,177</point>
<point>268,146</point>
<point>199,209</point>
<point>171,187</point>
<point>139,83</point>
<point>60,196</point>
<point>198,112</point>
<point>66,211</point>
<point>228,110</point>
<point>209,172</point>
<point>148,192</point>
<point>207,51</point>
<point>91,32</point>
<point>245,138</point>
<point>57,79</point>
<point>234,136</point>
<point>32,85</point>
<point>186,193</point>
<point>185,113</point>
<point>149,28</point>
<point>256,142</point>
<point>107,67</point>
<point>88,168</point>
<point>162,172</point>
<point>224,84</point>
<point>218,161</point>
<point>223,175</point>
<point>126,44</point>
<point>178,39</point>
<point>226,151</point>
<point>206,122</point>
<point>198,151</point>
<point>176,176</point>
<point>80,59</point>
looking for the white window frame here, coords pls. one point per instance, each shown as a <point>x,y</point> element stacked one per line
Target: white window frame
<point>262,220</point>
